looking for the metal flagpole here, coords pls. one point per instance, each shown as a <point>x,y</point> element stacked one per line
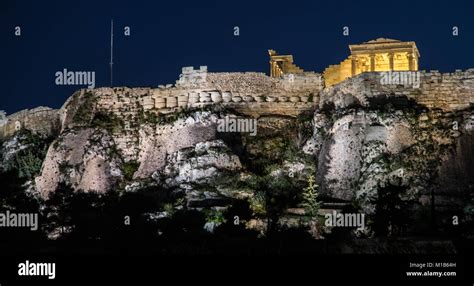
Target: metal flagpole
<point>111,51</point>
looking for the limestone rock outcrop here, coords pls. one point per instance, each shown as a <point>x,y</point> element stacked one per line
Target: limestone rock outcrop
<point>83,159</point>
<point>367,151</point>
<point>362,138</point>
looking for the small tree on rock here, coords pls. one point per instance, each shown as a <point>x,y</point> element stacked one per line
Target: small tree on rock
<point>310,198</point>
<point>311,206</point>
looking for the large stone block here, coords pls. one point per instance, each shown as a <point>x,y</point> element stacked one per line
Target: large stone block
<point>236,98</point>
<point>182,101</point>
<point>148,103</point>
<point>294,99</point>
<point>193,97</point>
<point>271,98</point>
<point>216,96</point>
<point>248,98</point>
<point>160,102</point>
<point>171,102</point>
<point>227,96</point>
<point>204,97</point>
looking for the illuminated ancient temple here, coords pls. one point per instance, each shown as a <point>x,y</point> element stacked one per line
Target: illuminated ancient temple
<point>282,64</point>
<point>376,55</point>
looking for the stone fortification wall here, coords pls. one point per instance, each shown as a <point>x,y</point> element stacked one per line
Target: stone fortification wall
<point>43,120</point>
<point>433,90</point>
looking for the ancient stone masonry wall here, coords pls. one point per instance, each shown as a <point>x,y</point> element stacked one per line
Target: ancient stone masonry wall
<point>449,91</point>
<point>132,104</point>
<point>251,93</point>
<point>42,120</point>
<point>254,94</point>
<point>434,90</point>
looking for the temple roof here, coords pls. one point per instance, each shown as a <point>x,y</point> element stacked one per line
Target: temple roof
<point>384,44</point>
<point>382,40</point>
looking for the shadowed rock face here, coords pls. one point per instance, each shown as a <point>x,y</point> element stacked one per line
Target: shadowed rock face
<point>455,184</point>
<point>457,165</point>
<point>363,152</point>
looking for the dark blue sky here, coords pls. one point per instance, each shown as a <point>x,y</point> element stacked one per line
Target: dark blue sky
<point>168,35</point>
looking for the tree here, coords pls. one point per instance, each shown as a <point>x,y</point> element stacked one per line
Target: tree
<point>391,214</point>
<point>310,198</point>
<point>15,199</point>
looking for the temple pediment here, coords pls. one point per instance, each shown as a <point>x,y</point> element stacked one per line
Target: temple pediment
<point>382,40</point>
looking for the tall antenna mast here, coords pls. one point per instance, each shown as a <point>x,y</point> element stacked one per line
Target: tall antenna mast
<point>111,51</point>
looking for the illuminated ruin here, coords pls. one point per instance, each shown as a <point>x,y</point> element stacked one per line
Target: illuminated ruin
<point>373,56</point>
<point>282,64</point>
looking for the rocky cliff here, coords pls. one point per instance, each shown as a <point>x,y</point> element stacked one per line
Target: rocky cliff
<point>370,147</point>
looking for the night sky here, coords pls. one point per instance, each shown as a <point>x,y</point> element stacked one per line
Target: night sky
<point>167,36</point>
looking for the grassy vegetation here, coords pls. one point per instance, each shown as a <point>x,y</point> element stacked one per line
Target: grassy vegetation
<point>304,126</point>
<point>258,204</point>
<point>85,112</point>
<point>29,159</point>
<point>64,167</point>
<point>112,151</point>
<point>108,121</point>
<point>129,169</point>
<point>215,216</point>
<point>310,198</point>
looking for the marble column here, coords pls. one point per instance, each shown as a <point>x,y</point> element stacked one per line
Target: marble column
<point>372,62</point>
<point>353,65</point>
<point>410,61</point>
<point>390,61</point>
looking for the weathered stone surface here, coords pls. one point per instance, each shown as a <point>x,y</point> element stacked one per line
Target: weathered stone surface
<point>236,98</point>
<point>450,91</point>
<point>80,158</point>
<point>42,120</point>
<point>154,145</point>
<point>216,97</point>
<point>364,136</point>
<point>199,164</point>
<point>364,152</point>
